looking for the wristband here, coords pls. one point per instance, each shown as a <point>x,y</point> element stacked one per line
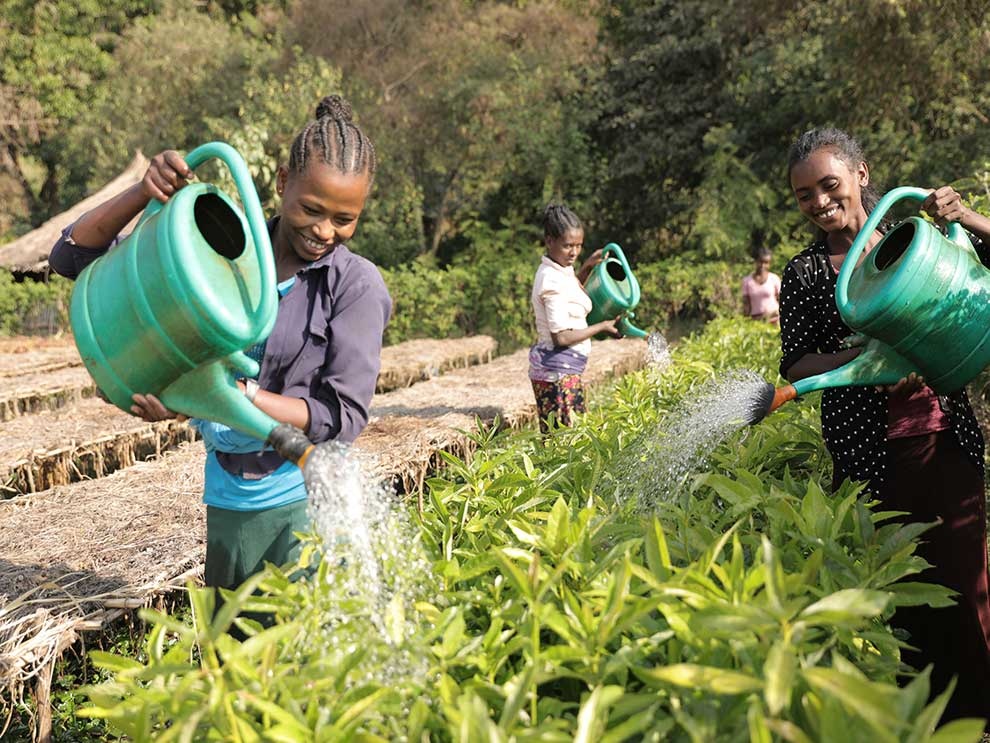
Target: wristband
<point>251,388</point>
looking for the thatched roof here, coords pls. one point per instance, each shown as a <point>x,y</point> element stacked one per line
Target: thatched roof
<point>29,253</point>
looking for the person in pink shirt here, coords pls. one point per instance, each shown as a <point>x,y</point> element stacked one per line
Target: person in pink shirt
<point>761,290</point>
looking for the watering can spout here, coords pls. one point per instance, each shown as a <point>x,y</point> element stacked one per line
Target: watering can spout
<point>209,392</point>
<point>768,399</point>
<point>291,443</point>
<point>877,364</point>
<point>628,329</point>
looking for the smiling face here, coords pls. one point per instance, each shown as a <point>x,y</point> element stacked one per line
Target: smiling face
<point>828,191</point>
<point>565,249</point>
<point>320,208</point>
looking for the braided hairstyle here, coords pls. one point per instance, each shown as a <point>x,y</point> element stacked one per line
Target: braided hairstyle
<point>558,219</point>
<point>847,149</point>
<point>335,139</point>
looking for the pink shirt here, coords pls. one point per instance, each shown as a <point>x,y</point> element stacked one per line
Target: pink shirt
<point>763,298</point>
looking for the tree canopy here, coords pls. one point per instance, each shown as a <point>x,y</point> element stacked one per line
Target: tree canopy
<point>664,123</point>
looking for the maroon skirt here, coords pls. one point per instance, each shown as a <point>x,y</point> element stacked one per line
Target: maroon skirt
<point>931,479</point>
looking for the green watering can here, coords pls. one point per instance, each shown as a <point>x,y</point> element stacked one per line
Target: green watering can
<point>170,310</point>
<point>613,290</point>
<point>920,298</point>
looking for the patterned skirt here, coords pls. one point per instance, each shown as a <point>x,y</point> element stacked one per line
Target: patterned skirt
<point>561,398</point>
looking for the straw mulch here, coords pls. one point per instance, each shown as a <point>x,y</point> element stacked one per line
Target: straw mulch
<point>83,441</point>
<point>75,557</point>
<point>409,427</point>
<point>21,355</point>
<point>52,389</point>
<point>47,374</point>
<point>413,361</point>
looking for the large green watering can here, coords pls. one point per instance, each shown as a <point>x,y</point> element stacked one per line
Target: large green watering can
<point>170,310</point>
<point>614,291</point>
<point>920,298</point>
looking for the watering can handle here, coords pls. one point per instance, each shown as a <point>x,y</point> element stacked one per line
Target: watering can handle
<point>614,248</point>
<point>249,200</point>
<point>955,233</point>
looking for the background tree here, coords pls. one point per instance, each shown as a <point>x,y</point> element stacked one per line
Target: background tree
<point>52,53</point>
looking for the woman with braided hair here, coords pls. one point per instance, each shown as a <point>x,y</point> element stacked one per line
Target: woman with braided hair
<point>320,363</point>
<point>561,307</point>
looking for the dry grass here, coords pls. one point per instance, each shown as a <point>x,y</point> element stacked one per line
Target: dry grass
<point>87,440</point>
<point>75,556</point>
<point>409,362</point>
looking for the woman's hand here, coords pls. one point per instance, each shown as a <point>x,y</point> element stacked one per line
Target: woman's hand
<point>904,388</point>
<point>150,408</point>
<point>167,173</point>
<point>609,327</point>
<point>944,205</point>
<point>590,262</point>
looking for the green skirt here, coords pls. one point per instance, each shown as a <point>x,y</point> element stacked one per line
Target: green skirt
<point>239,543</point>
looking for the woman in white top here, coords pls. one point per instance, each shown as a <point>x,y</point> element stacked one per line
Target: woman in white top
<point>561,307</point>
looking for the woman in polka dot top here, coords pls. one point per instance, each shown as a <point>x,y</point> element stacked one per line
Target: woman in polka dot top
<point>917,452</point>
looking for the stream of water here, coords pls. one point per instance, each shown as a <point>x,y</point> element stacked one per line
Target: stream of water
<point>658,463</point>
<point>377,567</point>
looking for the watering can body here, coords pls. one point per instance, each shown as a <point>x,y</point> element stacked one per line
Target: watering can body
<point>613,291</point>
<point>920,297</point>
<point>170,310</point>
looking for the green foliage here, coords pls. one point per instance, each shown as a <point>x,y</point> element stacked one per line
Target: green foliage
<point>53,55</point>
<point>33,308</point>
<point>494,296</point>
<point>197,74</point>
<point>750,605</point>
<point>755,75</point>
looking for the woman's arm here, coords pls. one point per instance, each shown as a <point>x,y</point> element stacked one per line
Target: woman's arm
<point>97,228</point>
<point>818,363</point>
<point>576,335</point>
<point>593,260</point>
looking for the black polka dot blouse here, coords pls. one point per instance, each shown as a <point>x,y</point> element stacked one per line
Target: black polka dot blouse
<point>854,419</point>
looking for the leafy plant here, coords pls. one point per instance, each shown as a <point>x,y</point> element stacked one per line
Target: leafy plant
<point>749,605</point>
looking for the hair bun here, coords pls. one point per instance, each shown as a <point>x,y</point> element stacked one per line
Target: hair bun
<point>334,107</point>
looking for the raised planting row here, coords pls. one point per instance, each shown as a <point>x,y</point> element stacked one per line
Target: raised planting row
<point>47,374</point>
<point>550,591</point>
<point>409,362</point>
<point>87,440</point>
<point>72,435</point>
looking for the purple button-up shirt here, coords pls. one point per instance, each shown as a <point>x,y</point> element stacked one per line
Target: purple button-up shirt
<point>325,347</point>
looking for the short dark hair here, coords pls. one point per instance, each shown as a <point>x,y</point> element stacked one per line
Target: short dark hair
<point>558,219</point>
<point>339,142</point>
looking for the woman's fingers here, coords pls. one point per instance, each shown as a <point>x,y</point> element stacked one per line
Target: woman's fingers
<point>150,408</point>
<point>167,173</point>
